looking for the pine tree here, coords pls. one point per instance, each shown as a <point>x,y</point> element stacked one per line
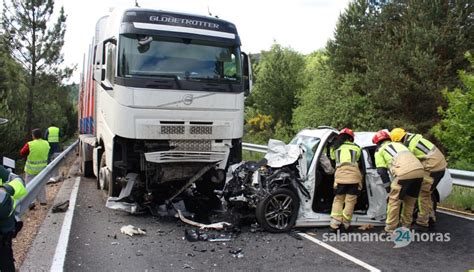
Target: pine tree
<point>35,44</point>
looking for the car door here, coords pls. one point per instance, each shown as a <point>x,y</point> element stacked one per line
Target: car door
<point>376,193</point>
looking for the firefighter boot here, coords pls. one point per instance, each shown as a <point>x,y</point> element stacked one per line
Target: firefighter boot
<point>336,212</point>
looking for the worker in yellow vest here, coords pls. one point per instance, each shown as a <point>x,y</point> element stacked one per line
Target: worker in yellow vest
<point>36,152</point>
<point>347,179</point>
<point>407,172</point>
<point>52,135</point>
<point>435,165</point>
<point>10,192</point>
<point>12,189</point>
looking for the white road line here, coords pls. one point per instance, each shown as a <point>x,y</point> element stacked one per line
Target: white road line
<point>60,253</point>
<point>340,253</point>
<point>455,214</point>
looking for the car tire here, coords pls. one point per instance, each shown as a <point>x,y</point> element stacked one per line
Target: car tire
<point>278,211</point>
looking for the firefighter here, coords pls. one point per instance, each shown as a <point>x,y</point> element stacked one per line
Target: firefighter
<point>347,179</point>
<point>407,173</point>
<point>12,189</point>
<point>434,164</point>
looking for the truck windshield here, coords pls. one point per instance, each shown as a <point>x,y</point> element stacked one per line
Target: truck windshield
<point>178,59</point>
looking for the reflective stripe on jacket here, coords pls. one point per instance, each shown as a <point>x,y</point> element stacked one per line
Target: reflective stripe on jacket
<point>38,157</point>
<point>397,158</point>
<point>53,134</point>
<point>347,167</point>
<point>429,155</point>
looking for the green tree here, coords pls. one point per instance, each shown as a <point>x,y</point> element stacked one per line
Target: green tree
<point>34,45</point>
<point>456,129</point>
<point>12,98</point>
<point>280,77</point>
<point>403,53</point>
<point>329,99</point>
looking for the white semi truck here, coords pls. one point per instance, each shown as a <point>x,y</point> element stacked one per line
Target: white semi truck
<point>161,106</point>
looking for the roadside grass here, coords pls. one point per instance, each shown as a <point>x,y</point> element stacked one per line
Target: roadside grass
<point>252,155</point>
<point>461,198</point>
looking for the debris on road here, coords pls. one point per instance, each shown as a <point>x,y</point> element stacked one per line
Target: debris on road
<point>216,226</point>
<point>199,235</point>
<point>236,253</point>
<point>53,180</point>
<point>295,235</point>
<point>366,227</point>
<point>60,207</point>
<point>131,230</point>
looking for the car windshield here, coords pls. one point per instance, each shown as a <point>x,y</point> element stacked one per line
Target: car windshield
<point>178,59</point>
<point>310,144</point>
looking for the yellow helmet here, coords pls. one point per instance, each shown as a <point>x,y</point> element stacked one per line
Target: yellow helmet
<point>397,134</point>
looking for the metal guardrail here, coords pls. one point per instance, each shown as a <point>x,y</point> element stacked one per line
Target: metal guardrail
<point>34,186</point>
<point>460,177</point>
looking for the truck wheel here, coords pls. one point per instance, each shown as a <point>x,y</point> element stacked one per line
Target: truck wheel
<point>101,177</point>
<point>278,211</point>
<point>104,181</point>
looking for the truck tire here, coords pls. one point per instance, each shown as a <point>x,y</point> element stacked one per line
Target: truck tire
<point>111,188</point>
<point>101,164</point>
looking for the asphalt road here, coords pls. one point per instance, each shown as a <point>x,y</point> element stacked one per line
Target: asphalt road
<point>96,244</point>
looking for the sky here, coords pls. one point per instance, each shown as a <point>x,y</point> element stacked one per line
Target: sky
<point>303,25</point>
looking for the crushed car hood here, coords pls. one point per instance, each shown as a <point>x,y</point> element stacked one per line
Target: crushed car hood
<point>280,154</point>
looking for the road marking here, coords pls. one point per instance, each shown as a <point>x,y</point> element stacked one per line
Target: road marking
<point>60,253</point>
<point>455,214</point>
<point>340,253</point>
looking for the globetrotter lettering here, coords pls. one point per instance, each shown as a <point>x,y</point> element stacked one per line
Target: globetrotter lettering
<point>183,21</point>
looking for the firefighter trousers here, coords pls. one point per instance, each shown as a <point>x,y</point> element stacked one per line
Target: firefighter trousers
<point>404,190</point>
<point>343,205</point>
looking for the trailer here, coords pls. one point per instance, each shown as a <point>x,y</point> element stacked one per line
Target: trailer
<point>161,106</point>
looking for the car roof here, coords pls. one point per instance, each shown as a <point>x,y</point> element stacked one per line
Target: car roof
<point>362,139</point>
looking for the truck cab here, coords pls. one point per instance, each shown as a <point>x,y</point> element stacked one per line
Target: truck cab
<point>167,92</point>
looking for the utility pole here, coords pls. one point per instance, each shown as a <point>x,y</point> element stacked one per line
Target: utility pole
<point>136,4</point>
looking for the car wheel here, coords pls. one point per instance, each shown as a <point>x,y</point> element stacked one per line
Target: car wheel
<point>278,211</point>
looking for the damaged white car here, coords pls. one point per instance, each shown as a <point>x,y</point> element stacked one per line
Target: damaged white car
<point>290,187</point>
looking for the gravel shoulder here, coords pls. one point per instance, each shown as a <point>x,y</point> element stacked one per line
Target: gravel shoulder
<point>33,219</point>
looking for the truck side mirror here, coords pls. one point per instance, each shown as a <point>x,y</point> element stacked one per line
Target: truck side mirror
<point>247,74</point>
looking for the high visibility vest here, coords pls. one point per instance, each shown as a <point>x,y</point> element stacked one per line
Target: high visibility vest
<point>53,134</point>
<point>15,189</point>
<point>347,153</point>
<point>38,157</point>
<point>429,155</point>
<point>347,168</point>
<point>418,145</point>
<point>397,158</point>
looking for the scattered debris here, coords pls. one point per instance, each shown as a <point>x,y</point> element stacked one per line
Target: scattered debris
<point>131,230</point>
<point>199,235</point>
<point>115,243</point>
<point>366,227</point>
<point>139,253</point>
<point>255,227</point>
<point>53,180</point>
<point>60,207</point>
<point>186,266</point>
<point>236,253</point>
<point>295,235</point>
<point>216,226</point>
